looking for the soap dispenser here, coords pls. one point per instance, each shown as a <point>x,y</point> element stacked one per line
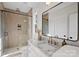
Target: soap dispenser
<point>64,42</point>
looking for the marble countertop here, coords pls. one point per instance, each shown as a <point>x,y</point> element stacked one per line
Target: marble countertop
<point>67,51</point>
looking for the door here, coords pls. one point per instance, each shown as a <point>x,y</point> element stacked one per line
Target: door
<point>16,30</point>
<point>0,34</point>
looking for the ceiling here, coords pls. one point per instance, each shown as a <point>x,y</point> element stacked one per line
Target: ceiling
<point>22,6</point>
<point>26,6</point>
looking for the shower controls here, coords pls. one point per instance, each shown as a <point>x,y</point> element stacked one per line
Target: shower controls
<point>19,26</point>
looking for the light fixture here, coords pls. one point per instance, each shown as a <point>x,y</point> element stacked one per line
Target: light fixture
<point>48,3</point>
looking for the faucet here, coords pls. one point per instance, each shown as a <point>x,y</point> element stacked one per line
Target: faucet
<point>56,36</point>
<point>64,42</point>
<point>50,40</point>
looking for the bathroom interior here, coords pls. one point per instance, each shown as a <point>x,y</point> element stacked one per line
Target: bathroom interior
<point>42,30</point>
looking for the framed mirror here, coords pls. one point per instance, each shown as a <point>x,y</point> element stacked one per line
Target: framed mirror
<point>61,21</point>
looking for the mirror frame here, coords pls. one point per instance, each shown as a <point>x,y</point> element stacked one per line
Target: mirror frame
<point>78,21</point>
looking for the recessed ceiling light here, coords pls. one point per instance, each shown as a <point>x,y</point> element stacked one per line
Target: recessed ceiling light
<point>48,3</point>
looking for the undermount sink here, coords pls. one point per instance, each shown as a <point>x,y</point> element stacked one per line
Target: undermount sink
<point>46,48</point>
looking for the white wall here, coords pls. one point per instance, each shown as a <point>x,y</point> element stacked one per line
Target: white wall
<point>34,35</point>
